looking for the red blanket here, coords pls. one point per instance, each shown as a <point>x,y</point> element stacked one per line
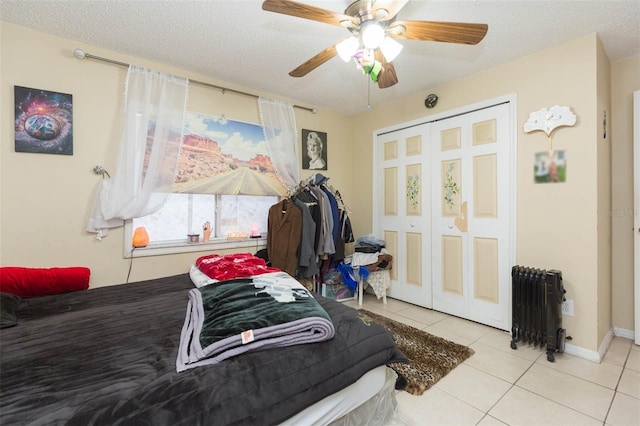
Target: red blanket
<point>34,282</point>
<point>230,266</point>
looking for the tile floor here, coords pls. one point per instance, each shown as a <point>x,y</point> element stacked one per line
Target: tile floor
<point>502,386</point>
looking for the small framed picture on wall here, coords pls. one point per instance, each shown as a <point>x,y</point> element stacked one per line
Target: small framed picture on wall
<point>43,121</point>
<point>314,150</point>
<point>550,167</point>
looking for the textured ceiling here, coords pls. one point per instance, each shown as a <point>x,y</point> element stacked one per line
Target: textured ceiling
<point>238,43</point>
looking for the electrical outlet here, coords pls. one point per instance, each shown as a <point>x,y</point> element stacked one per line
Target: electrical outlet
<point>567,307</point>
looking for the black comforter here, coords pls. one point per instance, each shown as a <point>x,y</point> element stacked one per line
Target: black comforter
<point>107,356</point>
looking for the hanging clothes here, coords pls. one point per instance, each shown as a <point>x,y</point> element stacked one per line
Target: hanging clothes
<point>335,213</point>
<point>324,228</point>
<point>307,260</point>
<point>325,246</point>
<point>312,203</point>
<point>345,235</point>
<point>284,228</point>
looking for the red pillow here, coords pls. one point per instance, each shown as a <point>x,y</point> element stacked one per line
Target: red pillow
<point>34,282</point>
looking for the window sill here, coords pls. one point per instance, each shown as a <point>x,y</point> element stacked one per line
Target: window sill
<point>178,247</point>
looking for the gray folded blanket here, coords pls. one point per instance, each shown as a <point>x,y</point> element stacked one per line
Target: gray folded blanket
<point>228,318</point>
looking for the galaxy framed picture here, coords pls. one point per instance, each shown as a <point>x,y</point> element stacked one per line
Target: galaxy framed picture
<point>43,121</point>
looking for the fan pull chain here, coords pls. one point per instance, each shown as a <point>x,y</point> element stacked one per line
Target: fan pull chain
<point>369,95</point>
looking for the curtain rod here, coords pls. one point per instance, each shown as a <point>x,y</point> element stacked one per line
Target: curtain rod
<point>81,54</point>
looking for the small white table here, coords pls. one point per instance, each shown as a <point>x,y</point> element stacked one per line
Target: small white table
<point>360,290</point>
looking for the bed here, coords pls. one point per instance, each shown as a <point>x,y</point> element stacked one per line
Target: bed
<point>108,356</point>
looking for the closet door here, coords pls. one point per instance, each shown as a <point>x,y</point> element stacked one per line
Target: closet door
<point>401,210</point>
<point>472,225</point>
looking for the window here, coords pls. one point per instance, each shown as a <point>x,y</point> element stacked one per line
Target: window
<point>218,156</point>
<point>184,214</point>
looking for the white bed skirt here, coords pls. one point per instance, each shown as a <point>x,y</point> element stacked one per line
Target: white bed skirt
<point>369,401</point>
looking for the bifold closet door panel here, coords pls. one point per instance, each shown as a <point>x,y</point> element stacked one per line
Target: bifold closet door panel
<point>402,213</point>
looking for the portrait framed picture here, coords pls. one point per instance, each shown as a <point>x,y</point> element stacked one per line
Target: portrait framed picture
<point>43,121</point>
<point>314,150</point>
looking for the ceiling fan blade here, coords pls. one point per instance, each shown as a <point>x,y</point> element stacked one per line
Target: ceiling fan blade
<point>448,32</point>
<point>301,10</point>
<point>315,62</point>
<point>388,76</point>
<point>385,10</point>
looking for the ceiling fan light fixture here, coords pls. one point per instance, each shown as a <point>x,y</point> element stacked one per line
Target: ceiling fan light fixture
<point>382,14</point>
<point>372,34</point>
<point>347,48</point>
<point>390,48</point>
<point>348,24</point>
<point>396,30</point>
<point>373,24</point>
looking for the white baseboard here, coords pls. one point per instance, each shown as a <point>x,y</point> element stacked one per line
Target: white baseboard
<point>622,332</point>
<point>606,342</point>
<point>580,352</point>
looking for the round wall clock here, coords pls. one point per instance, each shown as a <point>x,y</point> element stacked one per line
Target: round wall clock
<point>431,101</point>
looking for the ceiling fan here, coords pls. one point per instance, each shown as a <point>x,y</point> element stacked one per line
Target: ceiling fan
<point>374,30</point>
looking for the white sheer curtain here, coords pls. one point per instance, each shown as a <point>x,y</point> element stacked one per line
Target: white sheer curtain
<point>155,105</point>
<point>279,124</point>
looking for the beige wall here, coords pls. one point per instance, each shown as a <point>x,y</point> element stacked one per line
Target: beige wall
<point>46,199</point>
<point>603,184</point>
<point>557,224</point>
<point>624,81</point>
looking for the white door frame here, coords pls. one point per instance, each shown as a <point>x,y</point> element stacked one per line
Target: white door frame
<point>636,211</point>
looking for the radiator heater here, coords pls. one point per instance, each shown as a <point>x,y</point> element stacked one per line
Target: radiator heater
<point>537,297</point>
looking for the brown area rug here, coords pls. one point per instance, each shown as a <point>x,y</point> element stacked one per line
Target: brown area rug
<point>430,357</point>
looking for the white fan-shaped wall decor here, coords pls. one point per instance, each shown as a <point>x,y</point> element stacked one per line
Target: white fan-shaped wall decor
<point>547,120</point>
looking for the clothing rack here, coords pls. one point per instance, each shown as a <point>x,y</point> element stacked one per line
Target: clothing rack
<point>297,189</point>
<point>338,196</point>
<point>322,240</point>
<point>312,181</point>
<point>304,183</point>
